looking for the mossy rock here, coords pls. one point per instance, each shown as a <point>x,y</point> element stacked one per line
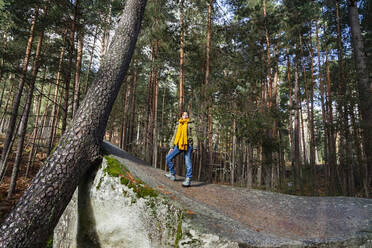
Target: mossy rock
<point>115,168</point>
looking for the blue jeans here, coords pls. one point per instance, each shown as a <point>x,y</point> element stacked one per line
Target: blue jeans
<point>188,161</point>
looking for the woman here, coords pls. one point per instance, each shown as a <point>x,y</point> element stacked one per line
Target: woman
<point>184,140</point>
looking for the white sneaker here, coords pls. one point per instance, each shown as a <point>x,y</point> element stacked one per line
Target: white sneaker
<point>187,182</point>
<point>171,176</point>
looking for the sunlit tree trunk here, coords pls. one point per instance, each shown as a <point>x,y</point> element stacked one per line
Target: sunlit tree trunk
<point>58,92</point>
<point>79,58</point>
<point>36,124</point>
<point>181,93</point>
<point>90,61</point>
<point>133,110</point>
<point>13,117</point>
<point>322,101</point>
<point>24,120</point>
<point>155,109</point>
<point>331,175</point>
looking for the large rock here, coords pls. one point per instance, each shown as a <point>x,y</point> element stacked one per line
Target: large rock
<point>125,203</point>
<point>109,210</point>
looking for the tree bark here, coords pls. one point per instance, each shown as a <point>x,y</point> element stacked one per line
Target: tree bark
<point>37,212</point>
<point>54,112</point>
<point>311,117</point>
<point>105,33</point>
<point>124,120</point>
<point>13,117</point>
<point>296,133</point>
<point>36,124</point>
<point>207,73</point>
<point>330,177</point>
<point>322,101</point>
<point>181,94</point>
<point>90,61</point>
<point>364,87</point>
<point>343,97</point>
<point>10,96</point>
<point>155,109</point>
<point>1,69</point>
<point>79,58</point>
<point>24,120</point>
<point>133,110</point>
<point>71,48</point>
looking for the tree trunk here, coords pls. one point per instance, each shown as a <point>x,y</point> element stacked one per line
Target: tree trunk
<point>13,117</point>
<point>296,133</point>
<point>181,94</point>
<point>311,117</point>
<point>25,115</point>
<point>207,73</point>
<point>90,61</point>
<point>79,58</point>
<point>364,87</point>
<point>71,48</point>
<point>125,91</point>
<point>155,109</point>
<point>1,69</point>
<point>249,151</point>
<point>343,97</point>
<point>54,112</point>
<point>267,151</point>
<point>331,174</point>
<point>290,122</point>
<point>132,111</point>
<point>233,150</point>
<point>33,219</point>
<point>322,101</point>
<point>36,124</point>
<point>150,108</point>
<point>10,96</point>
<point>307,101</point>
<point>105,33</point>
<point>10,149</point>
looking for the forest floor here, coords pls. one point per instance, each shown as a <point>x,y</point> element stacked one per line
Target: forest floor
<point>22,182</point>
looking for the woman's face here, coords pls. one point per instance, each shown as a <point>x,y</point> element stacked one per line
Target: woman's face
<point>185,115</point>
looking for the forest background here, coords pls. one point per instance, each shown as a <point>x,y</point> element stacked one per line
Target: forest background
<point>274,86</point>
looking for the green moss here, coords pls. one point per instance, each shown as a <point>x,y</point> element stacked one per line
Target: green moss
<point>145,191</point>
<point>54,148</point>
<point>124,180</point>
<point>114,167</point>
<point>49,243</point>
<point>179,230</point>
<point>99,183</point>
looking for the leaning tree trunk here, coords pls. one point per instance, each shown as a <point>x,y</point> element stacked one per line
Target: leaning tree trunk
<point>36,214</point>
<point>364,87</point>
